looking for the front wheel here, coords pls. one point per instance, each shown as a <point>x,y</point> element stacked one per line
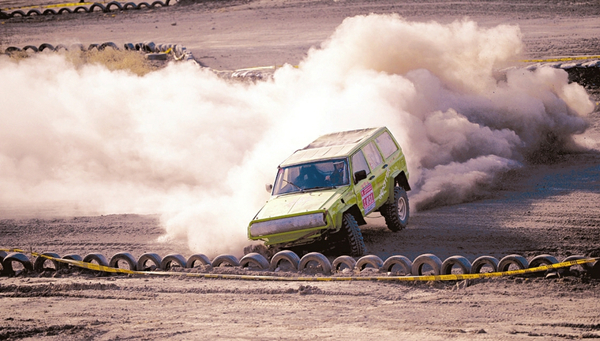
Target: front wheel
<point>396,213</point>
<point>353,235</point>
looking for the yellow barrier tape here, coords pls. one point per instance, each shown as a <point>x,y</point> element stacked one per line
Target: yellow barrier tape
<point>564,59</point>
<point>71,4</point>
<point>102,268</point>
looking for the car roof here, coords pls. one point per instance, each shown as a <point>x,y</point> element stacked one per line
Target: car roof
<point>332,146</point>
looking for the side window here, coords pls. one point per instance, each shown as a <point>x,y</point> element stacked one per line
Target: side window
<point>386,144</point>
<point>359,163</point>
<point>373,157</point>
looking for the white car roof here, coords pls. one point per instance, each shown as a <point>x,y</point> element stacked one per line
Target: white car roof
<point>332,146</point>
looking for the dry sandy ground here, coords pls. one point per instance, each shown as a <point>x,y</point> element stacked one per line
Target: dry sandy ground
<point>542,209</point>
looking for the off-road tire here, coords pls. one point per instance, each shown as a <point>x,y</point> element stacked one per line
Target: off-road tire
<point>353,235</point>
<point>396,213</point>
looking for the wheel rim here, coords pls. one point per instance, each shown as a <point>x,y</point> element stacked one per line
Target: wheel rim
<point>402,208</point>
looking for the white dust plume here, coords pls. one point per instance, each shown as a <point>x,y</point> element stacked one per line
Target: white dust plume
<point>198,149</point>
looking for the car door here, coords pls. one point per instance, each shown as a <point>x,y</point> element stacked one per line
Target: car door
<point>378,177</point>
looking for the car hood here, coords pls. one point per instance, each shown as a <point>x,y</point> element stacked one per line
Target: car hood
<point>291,204</point>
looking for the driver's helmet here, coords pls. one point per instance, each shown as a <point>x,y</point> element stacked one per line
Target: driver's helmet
<point>338,165</point>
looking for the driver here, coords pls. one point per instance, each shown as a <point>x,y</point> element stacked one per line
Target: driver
<point>337,177</point>
<point>309,177</point>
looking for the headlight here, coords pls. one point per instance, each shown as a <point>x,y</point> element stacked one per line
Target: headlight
<point>300,222</point>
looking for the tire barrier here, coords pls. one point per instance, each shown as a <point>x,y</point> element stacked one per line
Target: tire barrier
<point>519,261</point>
<point>7,263</point>
<point>254,261</point>
<point>322,263</point>
<point>40,262</point>
<point>123,257</point>
<point>198,258</point>
<point>482,261</point>
<point>313,261</point>
<point>430,259</point>
<point>153,51</point>
<point>397,261</point>
<point>347,261</point>
<point>70,257</point>
<point>225,260</point>
<point>99,259</point>
<point>87,7</point>
<point>142,263</point>
<point>171,261</point>
<point>450,262</point>
<point>365,261</point>
<point>285,256</point>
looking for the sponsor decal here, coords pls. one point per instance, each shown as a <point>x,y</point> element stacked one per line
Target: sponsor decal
<point>368,198</point>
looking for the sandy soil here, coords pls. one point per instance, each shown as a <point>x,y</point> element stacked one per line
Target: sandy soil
<point>541,209</point>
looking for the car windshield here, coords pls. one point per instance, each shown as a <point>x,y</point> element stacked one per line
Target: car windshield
<point>314,175</point>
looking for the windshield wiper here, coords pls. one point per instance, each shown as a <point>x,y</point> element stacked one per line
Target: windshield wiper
<point>293,184</point>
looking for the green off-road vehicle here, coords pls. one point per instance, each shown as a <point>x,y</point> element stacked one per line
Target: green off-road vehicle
<point>323,192</point>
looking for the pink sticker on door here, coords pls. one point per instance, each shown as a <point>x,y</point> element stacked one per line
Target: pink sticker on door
<point>368,198</point>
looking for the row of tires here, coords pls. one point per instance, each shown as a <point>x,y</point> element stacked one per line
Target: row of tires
<point>566,65</point>
<point>289,261</point>
<point>98,7</point>
<point>177,50</point>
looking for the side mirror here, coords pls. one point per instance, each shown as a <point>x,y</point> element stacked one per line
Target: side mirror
<point>360,175</point>
<point>269,187</point>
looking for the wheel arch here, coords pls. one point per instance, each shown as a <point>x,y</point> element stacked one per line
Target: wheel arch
<point>355,211</point>
<point>402,181</point>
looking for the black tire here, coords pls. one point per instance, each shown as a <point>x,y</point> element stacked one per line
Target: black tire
<point>129,5</point>
<point>396,214</point>
<point>38,265</point>
<point>199,258</point>
<point>585,266</point>
<point>99,259</point>
<point>166,263</point>
<point>371,260</point>
<point>430,259</point>
<point>123,256</point>
<point>70,257</point>
<point>7,268</point>
<point>149,256</point>
<point>401,261</point>
<point>517,260</point>
<point>30,47</point>
<point>17,12</point>
<point>353,235</point>
<point>254,261</point>
<point>49,11</point>
<point>225,260</point>
<point>108,44</point>
<point>286,255</point>
<point>450,262</point>
<point>482,261</point>
<point>595,271</point>
<point>319,258</point>
<point>32,12</point>
<point>45,46</point>
<point>348,261</point>
<point>114,4</point>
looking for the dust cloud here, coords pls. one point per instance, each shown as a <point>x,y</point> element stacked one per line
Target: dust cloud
<point>198,149</point>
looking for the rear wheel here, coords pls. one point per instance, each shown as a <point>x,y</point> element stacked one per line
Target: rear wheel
<point>396,213</point>
<point>354,236</point>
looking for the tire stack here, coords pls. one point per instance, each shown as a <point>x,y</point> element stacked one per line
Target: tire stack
<point>15,263</point>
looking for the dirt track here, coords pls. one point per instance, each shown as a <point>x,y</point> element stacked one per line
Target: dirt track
<point>539,209</point>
